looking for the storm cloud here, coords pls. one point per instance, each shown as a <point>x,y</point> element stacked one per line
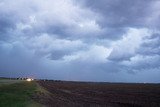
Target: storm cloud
<point>105,40</point>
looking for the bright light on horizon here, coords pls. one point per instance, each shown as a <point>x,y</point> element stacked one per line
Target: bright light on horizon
<point>29,79</point>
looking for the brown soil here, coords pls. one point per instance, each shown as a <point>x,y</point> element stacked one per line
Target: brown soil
<point>87,94</point>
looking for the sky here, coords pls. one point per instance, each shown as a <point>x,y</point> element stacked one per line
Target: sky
<point>81,40</point>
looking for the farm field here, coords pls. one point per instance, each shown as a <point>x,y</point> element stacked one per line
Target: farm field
<point>87,94</point>
<point>41,93</point>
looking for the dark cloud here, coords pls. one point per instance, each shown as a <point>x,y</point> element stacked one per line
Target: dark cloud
<point>57,55</point>
<point>121,13</point>
<point>150,46</point>
<point>6,26</point>
<point>105,40</point>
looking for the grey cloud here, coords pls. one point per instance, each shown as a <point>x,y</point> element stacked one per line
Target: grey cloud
<point>144,57</point>
<point>122,13</point>
<point>147,57</point>
<point>80,40</point>
<point>16,60</point>
<point>113,33</point>
<point>6,26</point>
<point>126,47</point>
<point>140,63</point>
<point>116,56</point>
<point>150,46</point>
<point>57,55</point>
<point>82,24</point>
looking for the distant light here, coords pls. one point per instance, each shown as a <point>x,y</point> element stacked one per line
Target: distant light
<point>29,79</point>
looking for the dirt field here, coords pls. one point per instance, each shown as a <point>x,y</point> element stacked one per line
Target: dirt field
<point>81,94</point>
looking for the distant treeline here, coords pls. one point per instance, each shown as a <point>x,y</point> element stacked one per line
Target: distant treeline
<point>8,78</point>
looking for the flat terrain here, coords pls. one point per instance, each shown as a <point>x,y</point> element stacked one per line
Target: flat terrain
<point>81,94</point>
<point>8,81</point>
<point>17,93</point>
<point>20,93</point>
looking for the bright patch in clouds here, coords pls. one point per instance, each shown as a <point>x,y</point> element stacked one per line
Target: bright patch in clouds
<point>94,54</point>
<point>130,42</point>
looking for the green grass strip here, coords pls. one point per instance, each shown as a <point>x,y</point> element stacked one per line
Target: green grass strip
<point>17,95</point>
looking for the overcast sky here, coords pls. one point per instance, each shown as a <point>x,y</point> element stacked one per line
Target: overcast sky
<point>86,40</point>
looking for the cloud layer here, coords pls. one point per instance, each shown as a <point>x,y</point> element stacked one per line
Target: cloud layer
<point>81,40</point>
